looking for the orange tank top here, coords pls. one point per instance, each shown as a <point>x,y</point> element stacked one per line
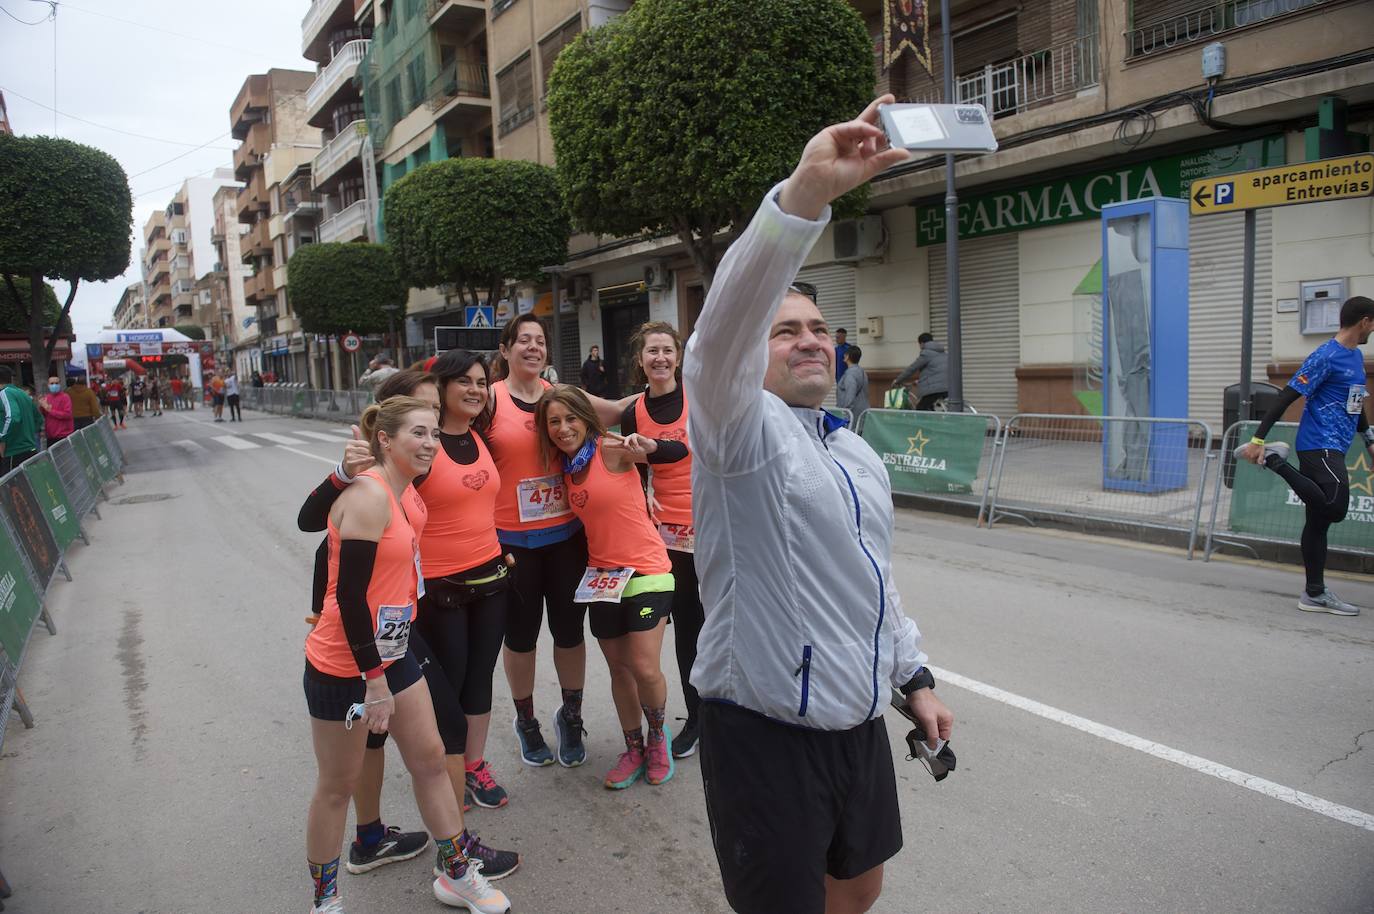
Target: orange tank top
<point>672,482</point>
<point>391,594</point>
<point>532,496</point>
<point>461,500</point>
<point>620,533</point>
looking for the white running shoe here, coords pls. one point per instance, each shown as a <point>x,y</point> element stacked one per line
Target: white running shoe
<point>471,891</point>
<point>331,905</point>
<point>1327,602</point>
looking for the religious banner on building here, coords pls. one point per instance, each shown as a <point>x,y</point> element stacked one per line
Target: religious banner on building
<point>906,27</point>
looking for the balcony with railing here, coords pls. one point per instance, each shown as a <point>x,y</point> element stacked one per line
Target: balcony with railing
<point>1028,82</point>
<point>348,224</point>
<point>455,15</point>
<point>461,89</point>
<point>249,153</point>
<point>335,75</point>
<point>252,197</point>
<point>1208,20</point>
<point>338,152</point>
<point>316,18</point>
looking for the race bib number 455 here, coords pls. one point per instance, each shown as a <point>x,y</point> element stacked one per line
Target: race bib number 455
<point>393,631</point>
<point>603,585</point>
<point>542,497</point>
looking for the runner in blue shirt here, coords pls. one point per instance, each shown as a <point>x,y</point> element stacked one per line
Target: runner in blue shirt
<point>1333,381</point>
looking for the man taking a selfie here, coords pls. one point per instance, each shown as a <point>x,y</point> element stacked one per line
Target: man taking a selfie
<point>805,635</point>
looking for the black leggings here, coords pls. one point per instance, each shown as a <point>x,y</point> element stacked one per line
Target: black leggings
<point>464,642</point>
<point>688,618</point>
<point>234,411</point>
<point>547,575</point>
<point>1323,485</point>
<point>116,412</point>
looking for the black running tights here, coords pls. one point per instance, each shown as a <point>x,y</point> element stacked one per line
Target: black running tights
<point>465,643</point>
<point>688,618</point>
<point>1323,485</point>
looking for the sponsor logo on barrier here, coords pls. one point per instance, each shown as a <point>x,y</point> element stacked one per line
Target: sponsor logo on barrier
<point>915,459</point>
<point>7,594</point>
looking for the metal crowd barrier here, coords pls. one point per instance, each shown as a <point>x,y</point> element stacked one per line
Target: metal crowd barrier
<point>1138,473</point>
<point>42,504</point>
<point>944,457</point>
<point>1252,505</point>
<point>305,402</point>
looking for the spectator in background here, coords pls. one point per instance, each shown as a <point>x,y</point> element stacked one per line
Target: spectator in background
<point>852,391</point>
<point>85,403</point>
<point>594,373</point>
<point>841,347</point>
<point>178,392</point>
<point>931,369</point>
<point>216,385</point>
<point>56,407</point>
<point>257,379</point>
<point>378,370</point>
<point>231,393</point>
<point>18,433</point>
<point>114,401</point>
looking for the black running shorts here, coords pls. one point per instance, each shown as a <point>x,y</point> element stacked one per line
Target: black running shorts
<point>639,613</point>
<point>789,805</point>
<point>329,697</point>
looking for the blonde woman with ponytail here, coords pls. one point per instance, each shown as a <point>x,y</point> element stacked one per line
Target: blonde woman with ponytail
<point>360,668</point>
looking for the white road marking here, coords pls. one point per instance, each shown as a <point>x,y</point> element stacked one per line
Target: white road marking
<point>1121,738</point>
<point>329,460</point>
<point>186,444</point>
<point>341,431</point>
<point>277,439</point>
<point>318,436</point>
<point>236,443</point>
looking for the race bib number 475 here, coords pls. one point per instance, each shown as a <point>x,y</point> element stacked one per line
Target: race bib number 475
<point>542,497</point>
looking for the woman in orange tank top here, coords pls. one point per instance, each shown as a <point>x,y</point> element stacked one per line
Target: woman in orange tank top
<point>661,413</point>
<point>537,527</point>
<point>628,581</point>
<point>360,666</point>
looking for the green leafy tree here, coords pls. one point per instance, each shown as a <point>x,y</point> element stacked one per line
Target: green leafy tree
<point>338,287</point>
<point>678,116</point>
<point>65,213</point>
<point>14,307</point>
<point>194,331</point>
<point>476,223</point>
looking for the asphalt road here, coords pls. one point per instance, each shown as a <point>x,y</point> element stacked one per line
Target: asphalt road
<point>1198,744</point>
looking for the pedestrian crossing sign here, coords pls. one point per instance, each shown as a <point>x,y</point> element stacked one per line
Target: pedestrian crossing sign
<point>480,316</point>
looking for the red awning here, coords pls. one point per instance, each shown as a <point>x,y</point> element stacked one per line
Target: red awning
<point>16,349</point>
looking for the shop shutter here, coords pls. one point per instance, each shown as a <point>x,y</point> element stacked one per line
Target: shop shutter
<point>835,296</point>
<point>989,303</point>
<point>569,365</point>
<point>1215,287</point>
<point>1150,12</point>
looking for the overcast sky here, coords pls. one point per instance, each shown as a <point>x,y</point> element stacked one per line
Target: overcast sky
<point>119,67</point>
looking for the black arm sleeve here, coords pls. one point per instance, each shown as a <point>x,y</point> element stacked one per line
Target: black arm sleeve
<point>1287,398</point>
<point>356,561</point>
<point>668,452</point>
<point>628,423</point>
<point>314,516</point>
<point>320,581</point>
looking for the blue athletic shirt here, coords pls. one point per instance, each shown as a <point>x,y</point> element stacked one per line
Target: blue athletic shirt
<point>1333,381</point>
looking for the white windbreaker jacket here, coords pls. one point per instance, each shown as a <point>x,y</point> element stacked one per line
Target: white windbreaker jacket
<point>794,519</point>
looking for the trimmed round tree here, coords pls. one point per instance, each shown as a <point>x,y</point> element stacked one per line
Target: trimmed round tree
<point>338,287</point>
<point>476,223</point>
<point>15,305</point>
<point>65,213</point>
<point>678,116</point>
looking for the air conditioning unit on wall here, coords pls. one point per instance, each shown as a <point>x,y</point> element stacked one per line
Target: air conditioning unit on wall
<point>657,277</point>
<point>860,239</point>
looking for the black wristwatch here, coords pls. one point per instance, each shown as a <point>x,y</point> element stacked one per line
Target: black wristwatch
<point>922,680</point>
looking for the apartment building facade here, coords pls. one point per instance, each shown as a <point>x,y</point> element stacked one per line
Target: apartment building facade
<point>268,118</point>
<point>131,311</point>
<point>237,341</point>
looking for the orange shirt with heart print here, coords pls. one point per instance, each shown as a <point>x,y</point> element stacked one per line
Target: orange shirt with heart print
<point>620,533</point>
<point>461,500</point>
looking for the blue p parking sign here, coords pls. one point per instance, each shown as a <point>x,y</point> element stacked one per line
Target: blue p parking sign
<point>1226,193</point>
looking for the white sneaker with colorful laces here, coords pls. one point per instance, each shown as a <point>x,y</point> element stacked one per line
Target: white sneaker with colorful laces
<point>471,891</point>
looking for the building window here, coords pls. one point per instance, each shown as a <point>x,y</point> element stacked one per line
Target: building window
<point>393,99</point>
<point>415,73</point>
<point>500,6</point>
<point>550,47</point>
<point>515,85</point>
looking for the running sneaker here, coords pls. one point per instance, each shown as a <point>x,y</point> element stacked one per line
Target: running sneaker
<point>627,769</point>
<point>472,891</point>
<point>1328,602</point>
<point>331,905</point>
<point>395,846</point>
<point>483,790</point>
<point>685,743</point>
<point>658,761</point>
<point>1276,449</point>
<point>533,750</point>
<point>495,864</point>
<point>571,751</point>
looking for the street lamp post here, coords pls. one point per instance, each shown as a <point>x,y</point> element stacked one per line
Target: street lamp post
<point>391,329</point>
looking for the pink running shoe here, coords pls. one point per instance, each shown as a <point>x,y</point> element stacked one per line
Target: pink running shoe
<point>627,770</point>
<point>658,761</point>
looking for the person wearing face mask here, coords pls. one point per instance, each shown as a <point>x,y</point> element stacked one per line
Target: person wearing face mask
<point>359,665</point>
<point>661,414</point>
<point>56,407</point>
<point>805,636</point>
<point>627,586</point>
<point>537,527</point>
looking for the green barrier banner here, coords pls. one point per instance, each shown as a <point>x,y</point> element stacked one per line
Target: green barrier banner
<point>1262,503</point>
<point>52,498</point>
<point>927,452</point>
<point>24,514</point>
<point>19,604</point>
<point>101,454</point>
<point>81,444</point>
